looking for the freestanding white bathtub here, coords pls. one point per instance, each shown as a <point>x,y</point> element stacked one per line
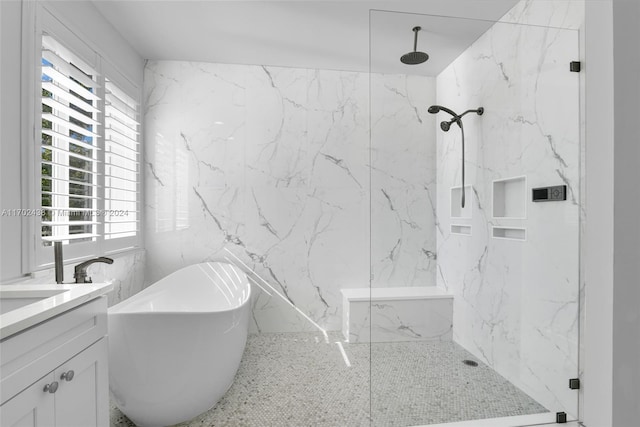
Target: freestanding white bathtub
<point>175,347</point>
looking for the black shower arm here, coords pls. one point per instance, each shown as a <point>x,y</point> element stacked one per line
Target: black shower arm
<point>478,111</point>
<point>456,118</point>
<point>467,112</point>
<point>462,201</point>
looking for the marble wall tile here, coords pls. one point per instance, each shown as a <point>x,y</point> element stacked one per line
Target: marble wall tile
<point>314,244</point>
<point>401,320</point>
<point>403,251</point>
<point>403,181</point>
<point>338,129</point>
<point>516,301</point>
<point>272,165</point>
<point>127,274</point>
<point>277,148</point>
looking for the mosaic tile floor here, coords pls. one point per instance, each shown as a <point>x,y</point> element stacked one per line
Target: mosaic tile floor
<point>298,379</point>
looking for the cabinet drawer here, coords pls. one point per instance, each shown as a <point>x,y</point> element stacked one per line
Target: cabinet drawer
<point>31,354</point>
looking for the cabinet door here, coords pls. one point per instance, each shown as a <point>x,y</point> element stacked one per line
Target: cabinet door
<point>33,407</point>
<point>83,400</point>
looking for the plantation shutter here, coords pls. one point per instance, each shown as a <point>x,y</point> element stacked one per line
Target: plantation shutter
<point>122,164</point>
<point>88,159</point>
<point>70,141</point>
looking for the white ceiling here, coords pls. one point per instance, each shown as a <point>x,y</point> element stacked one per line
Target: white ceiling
<point>303,33</point>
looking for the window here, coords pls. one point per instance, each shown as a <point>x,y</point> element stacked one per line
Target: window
<point>88,163</point>
<point>70,144</point>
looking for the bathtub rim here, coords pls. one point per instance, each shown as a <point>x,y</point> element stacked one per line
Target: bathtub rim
<point>121,307</point>
<point>183,312</point>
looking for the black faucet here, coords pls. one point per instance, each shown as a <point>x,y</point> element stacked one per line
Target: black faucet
<point>80,270</point>
<point>58,260</point>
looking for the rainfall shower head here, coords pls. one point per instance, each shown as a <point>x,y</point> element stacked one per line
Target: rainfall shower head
<point>415,57</point>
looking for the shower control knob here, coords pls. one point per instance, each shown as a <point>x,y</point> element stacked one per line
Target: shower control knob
<point>51,388</point>
<point>67,376</point>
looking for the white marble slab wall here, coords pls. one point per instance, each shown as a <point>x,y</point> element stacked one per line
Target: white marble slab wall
<point>403,182</point>
<point>515,301</point>
<point>271,164</point>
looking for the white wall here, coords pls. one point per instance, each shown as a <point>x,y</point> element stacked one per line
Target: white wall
<point>626,207</point>
<point>85,21</point>
<point>598,252</point>
<point>612,339</point>
<point>10,191</point>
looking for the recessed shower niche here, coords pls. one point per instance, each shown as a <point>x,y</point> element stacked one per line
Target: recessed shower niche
<point>509,203</point>
<point>463,229</point>
<point>457,210</point>
<point>510,233</point>
<point>509,198</point>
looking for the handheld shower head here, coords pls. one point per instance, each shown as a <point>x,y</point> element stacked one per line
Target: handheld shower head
<point>434,109</point>
<point>446,125</point>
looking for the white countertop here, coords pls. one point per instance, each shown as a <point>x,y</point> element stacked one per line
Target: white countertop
<point>53,300</point>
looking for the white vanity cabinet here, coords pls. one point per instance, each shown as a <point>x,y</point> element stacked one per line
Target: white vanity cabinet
<point>55,373</point>
<point>31,407</point>
<point>79,399</point>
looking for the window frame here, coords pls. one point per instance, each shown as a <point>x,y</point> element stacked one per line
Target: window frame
<point>39,20</point>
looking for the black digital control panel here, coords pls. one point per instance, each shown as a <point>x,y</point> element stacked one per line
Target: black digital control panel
<point>549,194</point>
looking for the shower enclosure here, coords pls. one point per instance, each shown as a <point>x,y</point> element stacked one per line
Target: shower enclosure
<point>474,307</point>
<point>378,297</point>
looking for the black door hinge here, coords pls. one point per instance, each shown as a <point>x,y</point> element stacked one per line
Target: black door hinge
<point>561,417</point>
<point>574,383</point>
<point>575,66</point>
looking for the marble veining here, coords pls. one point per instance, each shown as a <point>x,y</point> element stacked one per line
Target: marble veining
<point>272,164</point>
<point>401,320</point>
<point>403,178</point>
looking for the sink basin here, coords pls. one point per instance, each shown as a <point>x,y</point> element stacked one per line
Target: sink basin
<point>11,299</point>
<point>22,306</point>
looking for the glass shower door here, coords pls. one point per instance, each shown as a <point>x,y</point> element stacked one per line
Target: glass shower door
<point>474,309</point>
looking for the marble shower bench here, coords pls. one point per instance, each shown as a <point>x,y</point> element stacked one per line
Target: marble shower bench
<point>397,314</point>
